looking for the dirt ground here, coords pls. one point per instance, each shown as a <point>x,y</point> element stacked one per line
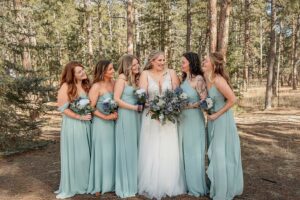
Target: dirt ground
<point>270,142</point>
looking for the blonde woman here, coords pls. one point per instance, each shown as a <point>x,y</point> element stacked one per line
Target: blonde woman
<point>160,168</point>
<point>127,126</point>
<point>224,152</point>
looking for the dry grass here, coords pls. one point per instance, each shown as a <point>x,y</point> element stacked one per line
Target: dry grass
<point>254,99</point>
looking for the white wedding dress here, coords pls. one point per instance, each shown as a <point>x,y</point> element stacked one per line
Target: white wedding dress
<point>160,167</point>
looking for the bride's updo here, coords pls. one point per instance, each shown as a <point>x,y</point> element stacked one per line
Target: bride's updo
<point>152,56</point>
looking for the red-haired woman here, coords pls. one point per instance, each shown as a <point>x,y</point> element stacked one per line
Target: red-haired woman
<point>75,132</point>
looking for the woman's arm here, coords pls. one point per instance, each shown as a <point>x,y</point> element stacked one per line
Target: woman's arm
<point>62,99</point>
<point>227,92</point>
<point>174,79</point>
<point>143,82</point>
<point>118,91</point>
<point>94,95</point>
<point>201,87</point>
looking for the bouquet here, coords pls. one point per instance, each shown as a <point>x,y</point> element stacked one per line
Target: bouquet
<point>81,106</point>
<point>168,106</point>
<point>109,106</point>
<point>141,96</point>
<point>207,104</point>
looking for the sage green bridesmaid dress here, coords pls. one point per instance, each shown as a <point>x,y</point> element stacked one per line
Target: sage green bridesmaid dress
<point>102,168</point>
<point>127,131</point>
<point>192,136</point>
<point>75,156</point>
<point>225,167</point>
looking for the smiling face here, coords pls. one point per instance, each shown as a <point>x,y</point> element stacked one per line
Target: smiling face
<point>79,73</point>
<point>135,68</point>
<point>158,63</point>
<point>109,73</point>
<point>185,65</point>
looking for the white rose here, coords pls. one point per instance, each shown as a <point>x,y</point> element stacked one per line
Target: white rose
<point>161,103</point>
<point>210,103</point>
<point>141,91</point>
<point>183,96</point>
<point>161,117</point>
<point>107,100</point>
<point>83,102</point>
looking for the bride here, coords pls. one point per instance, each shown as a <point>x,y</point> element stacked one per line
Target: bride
<point>160,168</point>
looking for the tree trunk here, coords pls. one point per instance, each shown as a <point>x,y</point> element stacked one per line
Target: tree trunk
<point>100,31</point>
<point>294,50</point>
<point>138,33</point>
<point>276,89</point>
<point>246,44</point>
<point>223,28</point>
<point>213,21</point>
<point>188,25</point>
<point>271,56</point>
<point>261,50</point>
<point>23,39</point>
<point>130,26</point>
<point>87,5</point>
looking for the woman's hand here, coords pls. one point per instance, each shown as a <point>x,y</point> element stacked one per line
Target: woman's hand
<point>112,116</point>
<point>212,117</point>
<point>139,108</point>
<point>87,117</point>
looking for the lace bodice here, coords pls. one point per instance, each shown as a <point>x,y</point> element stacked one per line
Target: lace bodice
<point>154,88</point>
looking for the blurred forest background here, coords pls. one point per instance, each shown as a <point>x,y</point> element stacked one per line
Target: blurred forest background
<point>38,37</point>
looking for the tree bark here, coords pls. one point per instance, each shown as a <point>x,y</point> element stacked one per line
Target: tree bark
<point>23,39</point>
<point>213,21</point>
<point>246,44</point>
<point>271,56</point>
<point>100,31</point>
<point>87,5</point>
<point>130,26</point>
<point>188,25</point>
<point>223,28</point>
<point>261,50</point>
<point>294,50</point>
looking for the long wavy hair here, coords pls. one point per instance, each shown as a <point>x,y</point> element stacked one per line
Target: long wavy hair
<point>194,63</point>
<point>100,70</point>
<point>152,56</point>
<point>125,66</point>
<point>68,77</point>
<point>218,62</point>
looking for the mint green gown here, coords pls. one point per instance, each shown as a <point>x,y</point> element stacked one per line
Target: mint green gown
<point>225,167</point>
<point>102,168</point>
<point>127,130</point>
<point>192,136</point>
<point>75,156</point>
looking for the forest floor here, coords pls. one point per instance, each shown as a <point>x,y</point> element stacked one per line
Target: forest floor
<point>270,142</point>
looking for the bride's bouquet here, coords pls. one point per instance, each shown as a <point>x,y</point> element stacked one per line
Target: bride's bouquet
<point>141,96</point>
<point>109,106</point>
<point>81,106</point>
<point>168,106</point>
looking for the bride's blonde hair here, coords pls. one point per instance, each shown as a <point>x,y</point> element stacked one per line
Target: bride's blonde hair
<point>152,56</point>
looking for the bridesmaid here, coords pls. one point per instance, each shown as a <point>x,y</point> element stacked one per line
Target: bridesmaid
<point>127,127</point>
<point>75,133</point>
<point>192,125</point>
<point>102,168</point>
<point>225,167</point>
